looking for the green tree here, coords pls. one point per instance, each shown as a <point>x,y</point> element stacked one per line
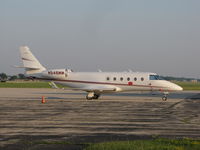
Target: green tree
<point>21,76</point>
<point>3,76</point>
<point>13,77</point>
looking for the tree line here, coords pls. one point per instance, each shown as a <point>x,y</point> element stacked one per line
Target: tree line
<point>169,78</point>
<point>4,77</point>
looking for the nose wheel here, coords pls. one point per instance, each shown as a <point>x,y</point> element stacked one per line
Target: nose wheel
<point>164,98</point>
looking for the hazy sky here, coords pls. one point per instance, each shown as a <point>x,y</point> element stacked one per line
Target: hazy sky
<point>161,36</point>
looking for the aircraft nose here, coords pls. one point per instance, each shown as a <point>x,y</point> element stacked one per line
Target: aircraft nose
<point>177,88</point>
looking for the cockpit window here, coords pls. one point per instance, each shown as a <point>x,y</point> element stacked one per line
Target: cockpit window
<point>69,70</point>
<point>155,77</point>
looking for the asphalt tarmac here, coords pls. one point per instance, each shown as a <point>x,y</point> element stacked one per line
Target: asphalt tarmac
<point>68,117</point>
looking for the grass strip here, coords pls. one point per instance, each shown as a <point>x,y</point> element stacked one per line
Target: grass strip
<point>188,85</point>
<point>24,85</point>
<point>29,84</point>
<point>156,144</point>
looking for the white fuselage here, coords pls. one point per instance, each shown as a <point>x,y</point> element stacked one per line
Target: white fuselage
<point>120,81</point>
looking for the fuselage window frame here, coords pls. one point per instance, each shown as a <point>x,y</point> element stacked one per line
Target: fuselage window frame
<point>155,77</point>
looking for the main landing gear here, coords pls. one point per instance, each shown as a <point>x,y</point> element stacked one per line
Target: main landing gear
<point>165,94</point>
<point>92,95</point>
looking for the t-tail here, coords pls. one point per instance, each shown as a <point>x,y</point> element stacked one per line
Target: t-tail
<point>30,62</point>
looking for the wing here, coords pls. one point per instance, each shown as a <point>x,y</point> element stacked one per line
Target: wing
<point>98,88</point>
<point>91,88</point>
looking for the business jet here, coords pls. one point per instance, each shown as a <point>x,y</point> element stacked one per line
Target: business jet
<point>96,83</point>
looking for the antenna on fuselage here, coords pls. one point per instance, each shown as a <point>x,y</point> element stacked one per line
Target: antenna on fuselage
<point>99,70</point>
<point>129,70</point>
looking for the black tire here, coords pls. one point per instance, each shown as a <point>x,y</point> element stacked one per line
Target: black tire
<point>96,96</point>
<point>89,98</point>
<point>164,98</point>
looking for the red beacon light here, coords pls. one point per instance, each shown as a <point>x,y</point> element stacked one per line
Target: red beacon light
<point>130,83</point>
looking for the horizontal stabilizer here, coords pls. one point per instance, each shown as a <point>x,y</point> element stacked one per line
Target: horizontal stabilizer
<point>34,68</point>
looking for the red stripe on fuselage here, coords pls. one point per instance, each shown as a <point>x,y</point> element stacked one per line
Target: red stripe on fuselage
<point>104,83</point>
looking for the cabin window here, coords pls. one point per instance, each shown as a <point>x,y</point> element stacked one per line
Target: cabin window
<point>114,78</point>
<point>142,79</point>
<point>128,79</point>
<point>121,79</point>
<point>135,79</point>
<point>107,78</point>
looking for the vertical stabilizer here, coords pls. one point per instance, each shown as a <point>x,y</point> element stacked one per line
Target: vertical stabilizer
<point>30,62</point>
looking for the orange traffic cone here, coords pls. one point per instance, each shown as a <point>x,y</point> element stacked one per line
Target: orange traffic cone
<point>43,99</point>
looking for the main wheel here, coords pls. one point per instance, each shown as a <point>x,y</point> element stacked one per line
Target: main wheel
<point>96,96</point>
<point>88,98</point>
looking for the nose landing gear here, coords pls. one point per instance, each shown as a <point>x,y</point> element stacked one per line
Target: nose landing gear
<point>164,98</point>
<point>165,94</point>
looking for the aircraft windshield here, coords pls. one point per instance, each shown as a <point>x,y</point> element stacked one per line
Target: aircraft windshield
<point>155,77</point>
